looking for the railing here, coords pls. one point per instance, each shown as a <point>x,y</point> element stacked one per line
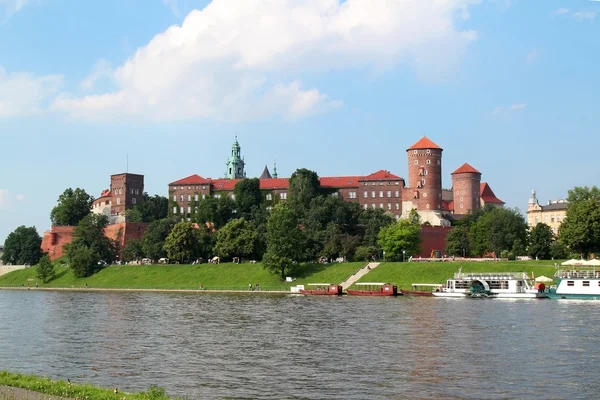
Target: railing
<point>592,273</point>
<point>491,276</point>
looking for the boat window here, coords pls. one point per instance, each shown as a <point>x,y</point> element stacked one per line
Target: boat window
<point>586,283</point>
<point>570,283</point>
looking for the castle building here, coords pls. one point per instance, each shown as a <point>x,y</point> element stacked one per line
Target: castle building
<point>126,191</point>
<point>381,189</point>
<point>551,214</point>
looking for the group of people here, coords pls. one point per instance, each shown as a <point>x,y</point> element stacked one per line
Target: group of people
<point>257,287</point>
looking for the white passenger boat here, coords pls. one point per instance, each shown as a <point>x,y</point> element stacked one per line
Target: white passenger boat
<point>509,285</point>
<point>577,283</point>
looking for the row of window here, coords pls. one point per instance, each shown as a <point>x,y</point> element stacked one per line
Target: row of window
<point>131,191</point>
<point>584,283</point>
<point>551,219</point>
<point>381,183</point>
<point>133,201</point>
<point>190,187</point>
<point>428,162</point>
<point>389,206</point>
<point>373,194</point>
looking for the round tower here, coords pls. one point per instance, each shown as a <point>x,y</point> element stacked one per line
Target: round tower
<point>466,182</point>
<point>425,175</point>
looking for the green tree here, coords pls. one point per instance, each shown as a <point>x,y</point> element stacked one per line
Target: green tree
<point>285,240</point>
<point>236,239</point>
<point>22,246</point>
<point>134,250</point>
<point>217,211</point>
<point>153,240</point>
<point>498,229</point>
<point>73,206</point>
<point>399,237</point>
<point>184,243</point>
<point>90,249</point>
<point>366,253</point>
<point>580,230</point>
<point>541,238</point>
<point>45,269</point>
<point>153,208</point>
<point>341,245</point>
<point>414,217</point>
<point>247,196</point>
<point>304,185</point>
<point>372,221</point>
<point>458,242</point>
<point>558,250</point>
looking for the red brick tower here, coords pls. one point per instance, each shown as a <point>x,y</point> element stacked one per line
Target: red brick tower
<point>127,190</point>
<point>425,175</point>
<point>465,186</point>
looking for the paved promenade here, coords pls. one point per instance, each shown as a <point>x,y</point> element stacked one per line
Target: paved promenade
<point>250,292</point>
<point>11,393</point>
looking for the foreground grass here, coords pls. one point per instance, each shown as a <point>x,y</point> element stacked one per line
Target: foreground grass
<point>226,276</point>
<point>74,391</point>
<point>405,274</point>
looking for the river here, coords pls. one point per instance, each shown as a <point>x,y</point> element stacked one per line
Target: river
<point>213,346</point>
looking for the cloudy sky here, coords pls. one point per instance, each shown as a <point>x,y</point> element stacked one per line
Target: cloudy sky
<point>161,87</point>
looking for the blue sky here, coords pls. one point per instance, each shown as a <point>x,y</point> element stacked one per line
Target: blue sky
<point>340,87</point>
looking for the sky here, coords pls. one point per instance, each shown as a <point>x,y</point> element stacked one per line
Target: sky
<point>162,87</point>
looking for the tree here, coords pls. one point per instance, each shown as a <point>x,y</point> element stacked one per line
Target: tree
<point>134,250</point>
<point>73,206</point>
<point>541,238</point>
<point>184,243</point>
<point>414,217</point>
<point>558,250</point>
<point>45,269</point>
<point>580,230</point>
<point>458,242</point>
<point>153,208</point>
<point>217,211</point>
<point>372,221</point>
<point>285,240</point>
<point>398,238</point>
<point>498,229</point>
<point>366,253</point>
<point>154,239</point>
<point>90,249</point>
<point>304,185</point>
<point>247,195</point>
<point>23,246</point>
<point>236,239</point>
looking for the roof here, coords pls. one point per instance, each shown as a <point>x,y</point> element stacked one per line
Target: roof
<point>424,143</point>
<point>224,184</point>
<point>191,180</point>
<point>447,205</point>
<point>487,194</point>
<point>555,206</point>
<point>266,174</point>
<point>105,193</point>
<point>466,169</point>
<point>274,183</point>
<point>380,175</point>
<point>339,181</point>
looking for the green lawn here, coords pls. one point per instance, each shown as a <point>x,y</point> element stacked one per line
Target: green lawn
<point>227,276</point>
<point>405,274</point>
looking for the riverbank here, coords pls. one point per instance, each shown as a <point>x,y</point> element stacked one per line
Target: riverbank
<point>236,278</point>
<point>15,386</point>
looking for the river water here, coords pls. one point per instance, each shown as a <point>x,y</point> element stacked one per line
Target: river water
<point>211,346</point>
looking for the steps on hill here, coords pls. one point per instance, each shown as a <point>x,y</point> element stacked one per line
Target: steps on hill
<point>358,274</point>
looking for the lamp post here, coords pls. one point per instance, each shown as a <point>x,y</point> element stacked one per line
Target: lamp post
<point>403,255</point>
<point>463,253</point>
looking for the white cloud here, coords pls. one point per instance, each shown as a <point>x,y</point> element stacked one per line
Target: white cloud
<point>8,199</point>
<point>584,15</point>
<point>560,11</point>
<point>531,56</point>
<point>242,59</point>
<point>508,109</point>
<point>23,93</point>
<point>10,7</point>
<point>100,70</point>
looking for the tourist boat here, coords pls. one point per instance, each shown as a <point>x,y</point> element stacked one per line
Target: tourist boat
<point>324,289</point>
<point>374,289</point>
<point>577,283</point>
<point>514,285</point>
<point>422,289</point>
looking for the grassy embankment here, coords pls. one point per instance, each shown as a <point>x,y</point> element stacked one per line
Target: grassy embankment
<point>74,391</point>
<point>405,274</point>
<point>226,276</point>
<point>237,276</point>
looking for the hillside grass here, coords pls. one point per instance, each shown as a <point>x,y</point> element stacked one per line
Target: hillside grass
<point>226,276</point>
<point>405,274</point>
<point>72,390</point>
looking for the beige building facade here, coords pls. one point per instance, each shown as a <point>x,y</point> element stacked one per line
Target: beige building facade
<point>551,214</point>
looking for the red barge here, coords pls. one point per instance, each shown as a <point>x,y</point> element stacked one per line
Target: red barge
<point>323,289</point>
<point>422,289</point>
<point>374,289</point>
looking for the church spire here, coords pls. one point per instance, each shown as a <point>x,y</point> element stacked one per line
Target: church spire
<point>235,162</point>
<point>274,169</point>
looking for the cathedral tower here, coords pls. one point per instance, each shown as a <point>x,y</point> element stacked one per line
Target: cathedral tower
<point>235,163</point>
<point>466,182</point>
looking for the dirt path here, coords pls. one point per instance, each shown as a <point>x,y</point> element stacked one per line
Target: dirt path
<point>12,393</point>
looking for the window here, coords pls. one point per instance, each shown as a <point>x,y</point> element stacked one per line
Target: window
<point>461,206</point>
<point>381,193</point>
<point>428,151</point>
<point>424,194</point>
<point>181,197</point>
<point>203,196</point>
<point>438,162</point>
<point>137,191</point>
<point>352,195</point>
<point>367,206</point>
<point>174,210</point>
<point>414,152</point>
<point>203,187</point>
<point>425,172</point>
<point>121,191</point>
<point>334,194</point>
<point>428,161</point>
<point>396,183</point>
<point>133,200</point>
<point>365,194</point>
<point>416,162</point>
<point>373,206</point>
<point>373,194</point>
<point>423,182</point>
<point>269,196</point>
<point>189,188</point>
<point>232,196</point>
<point>174,197</point>
<point>189,209</point>
<point>181,188</point>
<point>389,206</point>
<point>380,205</point>
<point>269,208</point>
<point>195,187</point>
<point>586,283</point>
<point>131,190</point>
<point>196,198</point>
<point>181,210</point>
<point>283,196</point>
<point>397,206</point>
<point>558,220</point>
<point>570,283</point>
<point>461,199</point>
<point>189,197</point>
<point>118,200</point>
<point>389,193</point>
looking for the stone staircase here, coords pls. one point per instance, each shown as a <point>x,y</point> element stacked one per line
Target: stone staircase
<point>357,275</point>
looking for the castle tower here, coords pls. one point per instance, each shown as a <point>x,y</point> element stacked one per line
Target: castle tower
<point>425,182</point>
<point>533,202</point>
<point>235,163</point>
<point>466,182</point>
<point>127,190</point>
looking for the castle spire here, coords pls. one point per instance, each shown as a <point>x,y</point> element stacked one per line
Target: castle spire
<point>274,168</point>
<point>235,162</point>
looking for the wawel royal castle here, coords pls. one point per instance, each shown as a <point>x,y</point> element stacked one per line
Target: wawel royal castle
<point>381,189</point>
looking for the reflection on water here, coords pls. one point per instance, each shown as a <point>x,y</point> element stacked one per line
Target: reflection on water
<point>276,347</point>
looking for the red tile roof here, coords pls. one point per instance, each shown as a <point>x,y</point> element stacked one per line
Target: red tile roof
<point>380,175</point>
<point>339,181</point>
<point>424,143</point>
<point>447,205</point>
<point>224,184</point>
<point>274,183</point>
<point>487,194</point>
<point>466,169</point>
<point>191,180</point>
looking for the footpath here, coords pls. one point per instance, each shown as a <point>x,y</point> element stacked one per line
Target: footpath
<point>89,289</point>
<point>357,275</point>
<point>12,393</point>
